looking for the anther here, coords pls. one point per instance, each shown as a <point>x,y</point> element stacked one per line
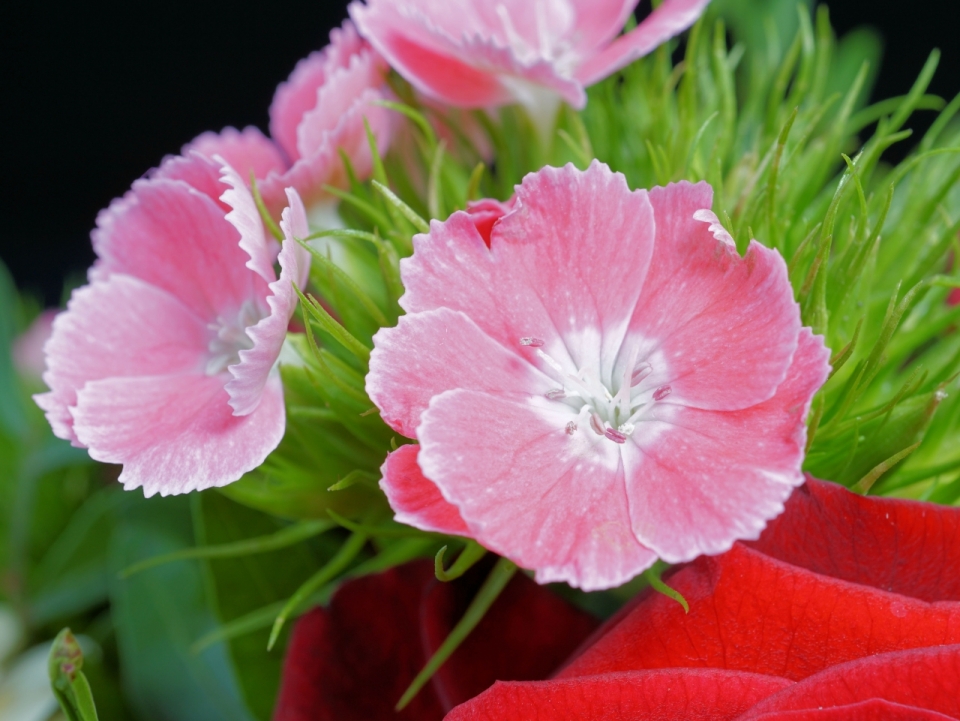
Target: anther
<point>596,424</point>
<point>571,428</point>
<point>615,436</point>
<point>640,373</point>
<point>662,392</point>
<point>556,394</point>
<point>531,341</point>
<point>627,429</point>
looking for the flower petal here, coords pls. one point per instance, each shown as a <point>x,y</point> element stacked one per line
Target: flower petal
<point>749,612</point>
<point>101,335</point>
<point>355,659</point>
<point>524,635</point>
<point>923,678</point>
<point>250,375</point>
<point>175,433</point>
<point>245,217</point>
<point>298,94</point>
<point>706,479</point>
<point>668,20</point>
<point>416,500</point>
<point>403,377</point>
<point>246,151</point>
<point>689,694</point>
<point>873,710</point>
<point>425,58</point>
<point>900,546</point>
<point>531,491</point>
<point>176,238</point>
<point>548,273</point>
<point>727,326</point>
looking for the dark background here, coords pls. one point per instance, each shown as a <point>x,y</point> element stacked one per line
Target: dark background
<point>94,94</point>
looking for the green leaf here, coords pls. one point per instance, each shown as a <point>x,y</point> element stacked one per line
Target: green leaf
<point>158,614</point>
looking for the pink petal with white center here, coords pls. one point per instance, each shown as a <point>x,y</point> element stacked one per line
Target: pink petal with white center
<point>245,217</point>
<point>298,94</point>
<point>529,489</point>
<point>175,238</point>
<point>403,377</point>
<point>416,500</point>
<point>726,326</point>
<point>175,433</point>
<point>569,261</point>
<point>246,151</point>
<point>668,20</point>
<point>711,478</point>
<point>251,374</point>
<point>103,334</point>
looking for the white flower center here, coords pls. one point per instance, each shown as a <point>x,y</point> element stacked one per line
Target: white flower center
<point>614,411</point>
<point>230,337</point>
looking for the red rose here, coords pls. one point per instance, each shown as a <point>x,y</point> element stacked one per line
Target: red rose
<point>353,660</point>
<point>846,608</point>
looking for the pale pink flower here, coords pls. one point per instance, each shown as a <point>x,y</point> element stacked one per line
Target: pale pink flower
<point>485,53</point>
<point>607,383</point>
<point>316,114</point>
<point>165,362</point>
<point>28,355</point>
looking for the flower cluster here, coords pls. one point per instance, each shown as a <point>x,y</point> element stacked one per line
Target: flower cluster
<point>433,310</point>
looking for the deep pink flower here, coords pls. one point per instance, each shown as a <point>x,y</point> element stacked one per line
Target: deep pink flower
<point>475,54</point>
<point>165,361</point>
<point>316,114</point>
<point>607,383</point>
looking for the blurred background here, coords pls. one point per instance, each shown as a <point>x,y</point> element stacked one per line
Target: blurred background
<point>95,94</point>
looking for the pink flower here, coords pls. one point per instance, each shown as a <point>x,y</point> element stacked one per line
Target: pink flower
<point>28,355</point>
<point>316,114</point>
<point>609,382</point>
<point>475,54</point>
<point>165,361</point>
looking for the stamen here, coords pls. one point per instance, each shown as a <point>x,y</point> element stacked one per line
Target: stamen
<point>627,429</point>
<point>531,341</point>
<point>571,428</point>
<point>640,373</point>
<point>556,394</point>
<point>615,436</point>
<point>596,423</point>
<point>662,392</point>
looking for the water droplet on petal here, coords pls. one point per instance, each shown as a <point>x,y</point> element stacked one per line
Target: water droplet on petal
<point>556,394</point>
<point>640,373</point>
<point>615,436</point>
<point>532,341</point>
<point>596,424</point>
<point>662,392</point>
<point>571,428</point>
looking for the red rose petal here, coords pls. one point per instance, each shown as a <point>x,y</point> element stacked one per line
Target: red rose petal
<point>353,660</point>
<point>525,635</point>
<point>692,695</point>
<point>905,547</point>
<point>874,710</point>
<point>927,679</point>
<point>750,612</point>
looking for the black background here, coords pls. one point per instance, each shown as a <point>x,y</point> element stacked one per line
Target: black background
<point>94,94</point>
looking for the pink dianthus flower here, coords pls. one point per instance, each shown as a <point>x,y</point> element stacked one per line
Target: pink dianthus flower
<point>166,361</point>
<point>606,382</point>
<point>477,54</point>
<point>316,114</point>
